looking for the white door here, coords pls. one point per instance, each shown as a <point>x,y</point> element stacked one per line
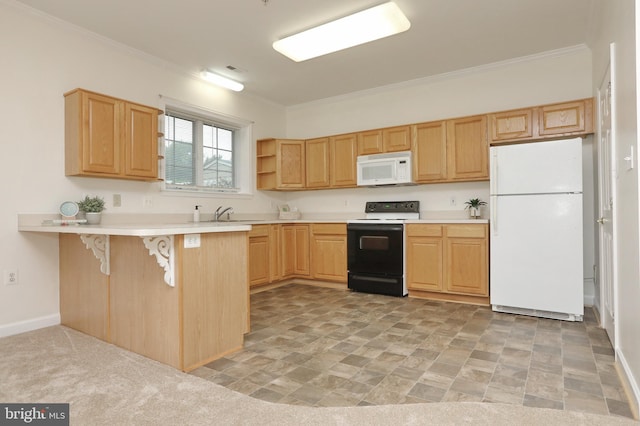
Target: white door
<point>606,204</point>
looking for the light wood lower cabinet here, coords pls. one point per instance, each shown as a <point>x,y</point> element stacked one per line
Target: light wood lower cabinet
<point>202,318</point>
<point>329,251</point>
<point>467,259</point>
<point>425,257</point>
<point>278,252</point>
<point>449,260</point>
<point>275,253</point>
<point>259,255</point>
<point>295,251</point>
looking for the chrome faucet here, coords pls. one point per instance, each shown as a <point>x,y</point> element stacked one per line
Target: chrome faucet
<point>218,214</point>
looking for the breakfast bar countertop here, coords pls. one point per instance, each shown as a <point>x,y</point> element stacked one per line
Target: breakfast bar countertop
<point>143,225</point>
<point>131,225</point>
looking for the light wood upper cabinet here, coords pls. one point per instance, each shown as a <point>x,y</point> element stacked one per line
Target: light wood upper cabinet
<point>451,151</point>
<point>370,142</point>
<point>109,137</point>
<point>317,163</point>
<point>396,138</point>
<point>291,162</point>
<point>266,166</point>
<point>343,152</point>
<point>329,251</point>
<point>140,141</point>
<point>566,118</point>
<point>540,123</point>
<point>467,149</point>
<point>389,139</point>
<point>280,164</point>
<point>430,152</point>
<point>512,125</point>
<point>455,150</point>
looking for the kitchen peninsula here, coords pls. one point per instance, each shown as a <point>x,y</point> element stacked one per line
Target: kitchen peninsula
<point>176,293</point>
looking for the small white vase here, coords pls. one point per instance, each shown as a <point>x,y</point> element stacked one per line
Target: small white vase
<point>474,213</point>
<point>93,218</point>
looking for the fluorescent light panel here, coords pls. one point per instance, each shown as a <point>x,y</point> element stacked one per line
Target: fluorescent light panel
<point>221,81</point>
<point>371,24</point>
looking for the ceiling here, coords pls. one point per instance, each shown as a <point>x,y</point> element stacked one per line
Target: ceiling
<point>445,36</point>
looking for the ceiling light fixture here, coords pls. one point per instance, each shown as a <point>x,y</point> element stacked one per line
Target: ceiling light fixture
<point>221,81</point>
<point>371,24</point>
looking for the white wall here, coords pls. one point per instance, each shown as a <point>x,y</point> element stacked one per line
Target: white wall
<point>554,77</point>
<point>42,59</point>
<point>618,23</point>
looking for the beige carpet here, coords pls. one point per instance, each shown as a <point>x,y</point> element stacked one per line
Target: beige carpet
<point>106,385</point>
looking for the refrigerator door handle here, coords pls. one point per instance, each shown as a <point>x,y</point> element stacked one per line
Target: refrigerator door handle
<point>493,181</point>
<point>494,216</point>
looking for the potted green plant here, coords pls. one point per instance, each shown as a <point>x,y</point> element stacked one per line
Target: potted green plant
<point>473,205</point>
<point>92,208</point>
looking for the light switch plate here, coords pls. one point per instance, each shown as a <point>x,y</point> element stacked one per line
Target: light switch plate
<point>191,240</point>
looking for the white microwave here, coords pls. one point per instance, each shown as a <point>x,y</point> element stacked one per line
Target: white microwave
<point>393,168</point>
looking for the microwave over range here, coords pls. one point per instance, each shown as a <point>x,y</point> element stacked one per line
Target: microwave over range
<point>392,168</point>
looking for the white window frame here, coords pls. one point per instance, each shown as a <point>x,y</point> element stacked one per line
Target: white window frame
<point>242,151</point>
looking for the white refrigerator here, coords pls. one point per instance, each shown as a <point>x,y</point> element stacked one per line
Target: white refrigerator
<point>536,229</point>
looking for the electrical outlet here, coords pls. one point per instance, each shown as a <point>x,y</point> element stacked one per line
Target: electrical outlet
<point>191,240</point>
<point>117,200</point>
<point>10,277</point>
<point>452,201</point>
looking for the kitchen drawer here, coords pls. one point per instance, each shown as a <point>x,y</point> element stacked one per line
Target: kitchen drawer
<point>424,230</point>
<point>329,228</point>
<point>467,231</point>
<point>259,231</point>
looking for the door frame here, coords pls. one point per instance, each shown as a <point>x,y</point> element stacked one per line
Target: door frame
<point>604,318</point>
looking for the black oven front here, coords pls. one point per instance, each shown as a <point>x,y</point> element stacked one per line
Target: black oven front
<point>375,253</point>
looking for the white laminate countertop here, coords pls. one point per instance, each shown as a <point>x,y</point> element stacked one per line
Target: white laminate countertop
<point>452,221</point>
<point>141,230</point>
<point>143,227</point>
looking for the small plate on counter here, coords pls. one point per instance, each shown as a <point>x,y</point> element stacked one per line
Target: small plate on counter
<point>69,209</point>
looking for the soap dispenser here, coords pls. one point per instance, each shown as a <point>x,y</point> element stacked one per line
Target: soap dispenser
<point>196,214</point>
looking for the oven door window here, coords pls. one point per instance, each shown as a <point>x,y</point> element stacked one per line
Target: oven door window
<point>374,242</point>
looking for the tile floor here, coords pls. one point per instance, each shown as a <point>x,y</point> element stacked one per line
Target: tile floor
<point>326,347</point>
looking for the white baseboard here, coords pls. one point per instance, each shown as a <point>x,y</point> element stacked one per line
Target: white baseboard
<point>628,382</point>
<point>588,295</point>
<point>589,300</point>
<point>29,325</point>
